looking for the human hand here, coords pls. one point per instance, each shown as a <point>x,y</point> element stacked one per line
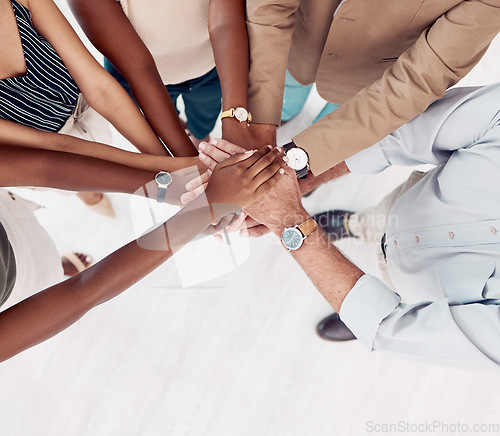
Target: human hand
<point>178,192</point>
<point>247,227</point>
<point>244,178</point>
<point>217,151</point>
<point>280,207</point>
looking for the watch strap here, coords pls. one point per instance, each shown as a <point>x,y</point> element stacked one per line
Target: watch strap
<point>230,113</point>
<point>160,198</point>
<point>289,146</point>
<point>307,227</point>
<point>226,114</point>
<point>302,174</point>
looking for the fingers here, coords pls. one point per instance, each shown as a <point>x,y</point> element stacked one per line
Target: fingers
<point>274,155</point>
<point>207,160</point>
<point>268,184</point>
<point>223,146</point>
<point>188,197</point>
<point>255,232</point>
<point>237,221</point>
<point>273,171</point>
<point>199,181</point>
<point>238,158</point>
<point>213,152</point>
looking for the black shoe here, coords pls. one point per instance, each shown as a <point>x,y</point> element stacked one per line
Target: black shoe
<point>333,329</point>
<point>335,223</point>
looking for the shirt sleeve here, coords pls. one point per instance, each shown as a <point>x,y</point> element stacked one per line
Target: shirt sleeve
<point>441,56</point>
<point>459,120</point>
<point>440,333</point>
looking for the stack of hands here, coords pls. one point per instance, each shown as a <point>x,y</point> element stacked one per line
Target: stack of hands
<point>257,181</point>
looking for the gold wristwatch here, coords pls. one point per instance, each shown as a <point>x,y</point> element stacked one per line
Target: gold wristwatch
<point>240,113</point>
<point>293,237</point>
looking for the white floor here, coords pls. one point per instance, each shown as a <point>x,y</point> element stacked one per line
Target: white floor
<point>221,342</point>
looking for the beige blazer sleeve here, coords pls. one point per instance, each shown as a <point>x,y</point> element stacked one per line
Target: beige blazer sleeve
<point>269,24</point>
<point>441,56</point>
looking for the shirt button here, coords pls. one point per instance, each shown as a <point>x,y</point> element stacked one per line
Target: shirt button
<point>493,230</point>
<point>451,235</point>
<point>417,239</point>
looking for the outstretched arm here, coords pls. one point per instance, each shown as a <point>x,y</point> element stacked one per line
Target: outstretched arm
<point>235,184</point>
<point>101,91</point>
<point>109,29</point>
<point>17,135</point>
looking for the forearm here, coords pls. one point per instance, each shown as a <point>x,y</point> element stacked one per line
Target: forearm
<point>155,102</point>
<point>117,107</point>
<point>17,135</point>
<point>53,169</point>
<point>311,182</point>
<point>109,29</point>
<point>331,273</point>
<point>49,312</point>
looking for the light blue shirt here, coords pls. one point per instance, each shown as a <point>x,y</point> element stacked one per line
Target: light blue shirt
<point>443,239</point>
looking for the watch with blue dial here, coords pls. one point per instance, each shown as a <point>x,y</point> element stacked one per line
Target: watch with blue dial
<point>163,179</point>
<point>293,237</point>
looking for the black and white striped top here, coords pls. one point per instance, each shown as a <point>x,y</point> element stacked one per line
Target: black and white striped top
<point>46,95</point>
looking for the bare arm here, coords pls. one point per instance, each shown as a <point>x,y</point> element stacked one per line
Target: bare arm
<point>17,135</point>
<point>229,38</point>
<point>235,184</point>
<point>101,91</point>
<point>109,29</point>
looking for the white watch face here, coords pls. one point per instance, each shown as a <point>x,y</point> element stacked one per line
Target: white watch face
<point>298,159</point>
<point>241,114</point>
<point>292,238</point>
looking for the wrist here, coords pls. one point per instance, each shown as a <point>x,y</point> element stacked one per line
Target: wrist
<point>279,222</point>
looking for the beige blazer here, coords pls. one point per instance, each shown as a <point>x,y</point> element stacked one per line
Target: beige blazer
<point>384,61</point>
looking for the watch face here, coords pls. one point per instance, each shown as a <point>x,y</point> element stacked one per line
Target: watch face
<point>298,158</point>
<point>292,238</point>
<point>163,179</point>
<point>241,114</point>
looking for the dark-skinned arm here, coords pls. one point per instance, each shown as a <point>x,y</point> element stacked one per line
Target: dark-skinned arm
<point>17,135</point>
<point>109,29</point>
<point>236,183</point>
<point>229,38</point>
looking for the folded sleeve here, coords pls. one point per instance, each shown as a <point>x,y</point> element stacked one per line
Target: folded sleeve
<point>441,56</point>
<point>440,333</point>
<point>270,27</point>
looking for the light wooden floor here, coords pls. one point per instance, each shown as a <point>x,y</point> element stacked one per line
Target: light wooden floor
<point>234,355</point>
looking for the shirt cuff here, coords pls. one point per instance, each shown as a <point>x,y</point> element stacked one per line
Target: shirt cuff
<point>369,161</point>
<point>366,306</point>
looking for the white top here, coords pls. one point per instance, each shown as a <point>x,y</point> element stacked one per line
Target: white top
<point>176,34</point>
<point>37,260</point>
<point>444,246</point>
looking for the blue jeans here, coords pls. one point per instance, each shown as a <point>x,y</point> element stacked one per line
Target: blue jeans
<point>295,97</point>
<point>202,98</point>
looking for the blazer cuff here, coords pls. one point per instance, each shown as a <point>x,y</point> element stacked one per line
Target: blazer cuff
<point>366,306</point>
